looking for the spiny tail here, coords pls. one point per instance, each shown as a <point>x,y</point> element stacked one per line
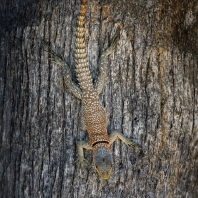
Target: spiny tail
<point>82,68</point>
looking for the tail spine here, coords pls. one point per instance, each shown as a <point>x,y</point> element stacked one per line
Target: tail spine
<point>82,67</point>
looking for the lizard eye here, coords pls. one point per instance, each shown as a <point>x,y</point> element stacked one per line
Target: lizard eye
<point>97,168</point>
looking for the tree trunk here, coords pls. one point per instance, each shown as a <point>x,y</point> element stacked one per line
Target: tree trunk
<point>151,94</point>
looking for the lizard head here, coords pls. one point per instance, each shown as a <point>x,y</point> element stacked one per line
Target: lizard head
<point>103,162</point>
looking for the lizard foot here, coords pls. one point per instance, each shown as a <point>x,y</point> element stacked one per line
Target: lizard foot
<point>113,43</point>
<point>129,143</point>
<point>83,163</point>
<point>55,58</point>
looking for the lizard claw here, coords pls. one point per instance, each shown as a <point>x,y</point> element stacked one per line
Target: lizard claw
<point>57,60</point>
<point>82,162</point>
<point>129,143</point>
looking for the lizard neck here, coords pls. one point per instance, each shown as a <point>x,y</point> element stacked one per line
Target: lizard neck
<point>82,67</point>
<point>100,144</point>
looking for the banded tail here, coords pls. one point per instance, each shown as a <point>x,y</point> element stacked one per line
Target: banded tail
<point>82,67</point>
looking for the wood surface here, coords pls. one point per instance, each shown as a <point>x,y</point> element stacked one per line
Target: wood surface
<point>151,95</point>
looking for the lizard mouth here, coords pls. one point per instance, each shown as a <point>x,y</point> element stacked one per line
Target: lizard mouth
<point>104,176</point>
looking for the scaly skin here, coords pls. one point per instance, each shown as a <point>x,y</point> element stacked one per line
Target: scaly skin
<point>93,113</point>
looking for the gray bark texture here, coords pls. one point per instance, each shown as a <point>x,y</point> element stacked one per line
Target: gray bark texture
<point>151,95</point>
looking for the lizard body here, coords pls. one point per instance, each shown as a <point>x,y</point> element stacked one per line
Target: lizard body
<point>93,113</point>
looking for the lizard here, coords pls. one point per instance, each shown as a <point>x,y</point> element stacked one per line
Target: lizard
<point>94,116</point>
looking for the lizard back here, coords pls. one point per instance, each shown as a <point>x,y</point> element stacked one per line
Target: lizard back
<point>94,119</point>
<point>93,113</point>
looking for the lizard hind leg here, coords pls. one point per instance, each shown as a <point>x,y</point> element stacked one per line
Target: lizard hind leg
<point>102,65</point>
<point>73,88</point>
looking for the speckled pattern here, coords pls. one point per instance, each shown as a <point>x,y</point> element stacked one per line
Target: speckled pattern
<point>82,68</point>
<point>93,114</point>
<point>94,118</point>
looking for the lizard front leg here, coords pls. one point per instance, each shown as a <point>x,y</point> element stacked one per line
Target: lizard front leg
<point>117,134</point>
<point>80,146</point>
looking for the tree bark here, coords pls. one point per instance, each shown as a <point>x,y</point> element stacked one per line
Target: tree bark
<point>151,94</point>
